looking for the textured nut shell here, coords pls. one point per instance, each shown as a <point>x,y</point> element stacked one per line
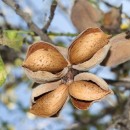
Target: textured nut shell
<point>44,76</point>
<point>119,52</point>
<point>91,77</point>
<point>44,88</point>
<point>84,15</point>
<point>97,58</point>
<point>46,58</point>
<point>88,91</point>
<point>86,45</point>
<point>79,104</point>
<point>50,103</point>
<point>39,45</point>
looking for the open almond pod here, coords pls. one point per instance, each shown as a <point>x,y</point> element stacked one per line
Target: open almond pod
<point>45,63</point>
<point>86,89</point>
<point>119,52</point>
<point>88,14</point>
<point>88,49</point>
<point>48,99</point>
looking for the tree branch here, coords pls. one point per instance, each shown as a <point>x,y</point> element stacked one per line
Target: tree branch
<point>27,19</point>
<point>62,6</point>
<point>52,12</point>
<point>81,122</point>
<point>119,83</point>
<point>122,121</point>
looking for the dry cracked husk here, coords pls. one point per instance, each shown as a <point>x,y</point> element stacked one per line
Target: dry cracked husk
<point>91,77</point>
<point>112,19</point>
<point>41,89</point>
<point>84,91</point>
<point>87,89</point>
<point>50,103</point>
<point>119,51</point>
<point>40,65</point>
<point>80,104</point>
<point>63,51</point>
<point>84,15</point>
<point>46,63</point>
<point>89,49</point>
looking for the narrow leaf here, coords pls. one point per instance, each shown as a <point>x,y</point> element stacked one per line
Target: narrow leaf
<point>3,73</point>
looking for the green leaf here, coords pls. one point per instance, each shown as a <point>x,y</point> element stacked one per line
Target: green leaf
<point>12,39</point>
<point>3,73</point>
<point>18,62</point>
<point>11,34</point>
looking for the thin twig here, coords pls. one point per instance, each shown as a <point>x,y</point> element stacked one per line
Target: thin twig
<point>62,34</point>
<point>119,83</point>
<point>83,121</point>
<point>52,12</point>
<point>28,19</point>
<point>62,6</point>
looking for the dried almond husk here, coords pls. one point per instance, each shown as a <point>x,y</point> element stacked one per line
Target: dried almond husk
<point>80,104</point>
<point>86,45</point>
<point>44,76</point>
<point>119,51</point>
<point>63,51</point>
<point>50,103</point>
<point>93,78</point>
<point>44,63</point>
<point>86,89</point>
<point>112,20</point>
<point>85,15</point>
<point>41,89</point>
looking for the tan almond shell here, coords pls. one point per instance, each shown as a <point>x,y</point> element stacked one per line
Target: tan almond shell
<point>79,104</point>
<point>97,58</point>
<point>44,76</point>
<point>84,104</point>
<point>41,76</point>
<point>44,57</point>
<point>87,44</point>
<point>87,91</point>
<point>119,52</point>
<point>38,45</point>
<point>50,103</point>
<point>91,77</point>
<point>44,88</point>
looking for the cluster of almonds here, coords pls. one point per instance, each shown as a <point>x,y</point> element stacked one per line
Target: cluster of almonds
<point>58,72</point>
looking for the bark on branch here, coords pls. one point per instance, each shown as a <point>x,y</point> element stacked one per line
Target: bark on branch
<point>118,83</point>
<point>122,121</point>
<point>52,12</point>
<point>27,19</point>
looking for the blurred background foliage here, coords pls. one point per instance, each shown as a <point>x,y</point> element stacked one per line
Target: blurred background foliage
<point>15,87</point>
